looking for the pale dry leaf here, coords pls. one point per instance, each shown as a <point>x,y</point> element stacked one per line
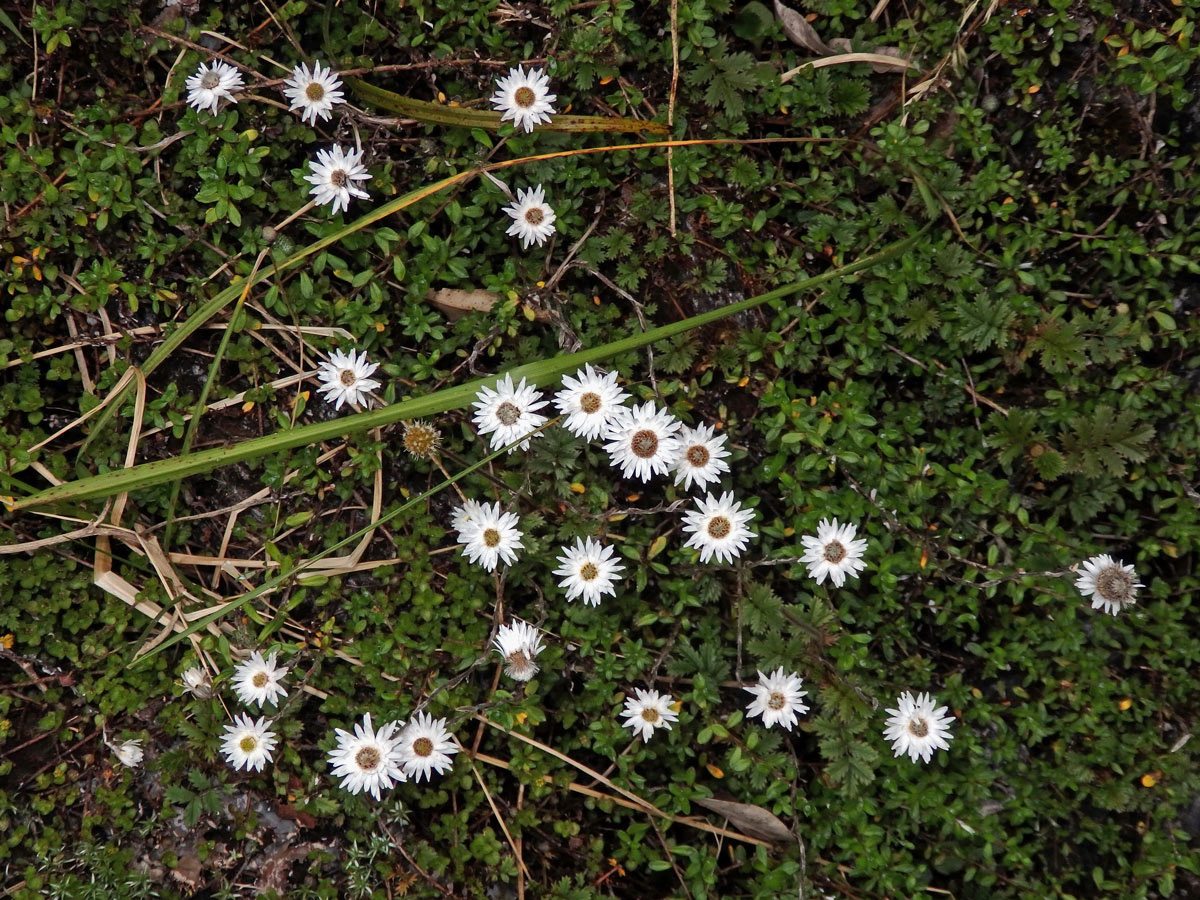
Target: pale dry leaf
<point>877,65</point>
<point>457,303</point>
<point>796,27</point>
<point>751,820</point>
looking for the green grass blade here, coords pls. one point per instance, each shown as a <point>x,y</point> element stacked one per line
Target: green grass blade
<point>440,114</point>
<point>457,397</point>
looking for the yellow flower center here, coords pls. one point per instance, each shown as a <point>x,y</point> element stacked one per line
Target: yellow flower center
<point>314,92</point>
<point>248,743</point>
<point>423,747</point>
<point>491,537</point>
<point>650,714</point>
<point>588,571</point>
<point>260,679</point>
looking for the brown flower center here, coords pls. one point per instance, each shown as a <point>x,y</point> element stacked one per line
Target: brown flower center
<point>698,455</point>
<point>420,438</point>
<point>423,747</point>
<point>248,743</point>
<point>339,178</point>
<point>534,215</point>
<point>367,758</point>
<point>644,443</point>
<point>719,527</point>
<point>260,679</point>
<point>588,571</point>
<point>507,413</point>
<point>918,727</point>
<point>589,402</point>
<point>491,537</point>
<point>525,97</point>
<point>1115,585</point>
<point>650,714</point>
<point>314,92</point>
<point>776,700</point>
<point>834,552</point>
<point>347,377</point>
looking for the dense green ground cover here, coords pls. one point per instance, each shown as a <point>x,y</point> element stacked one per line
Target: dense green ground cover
<point>1014,394</point>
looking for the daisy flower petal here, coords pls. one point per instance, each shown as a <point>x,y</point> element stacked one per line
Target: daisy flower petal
<point>719,528</point>
<point>1111,585</point>
<point>701,457</point>
<point>777,698</point>
<point>524,98</point>
<point>367,760</point>
<point>588,571</point>
<point>491,538</point>
<point>646,711</point>
<point>248,744</point>
<point>344,378</point>
<point>426,746</point>
<point>333,177</point>
<point>833,553</point>
<point>313,93</point>
<point>533,219</point>
<point>259,680</point>
<point>212,83</point>
<point>590,402</point>
<point>916,728</point>
<point>519,644</point>
<point>509,413</point>
<point>643,441</point>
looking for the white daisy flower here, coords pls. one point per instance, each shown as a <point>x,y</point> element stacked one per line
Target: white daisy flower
<point>524,97</point>
<point>259,680</point>
<point>588,571</point>
<point>196,681</point>
<point>643,441</point>
<point>211,83</point>
<point>777,698</point>
<point>508,413</point>
<point>718,527</point>
<point>129,753</point>
<point>833,552</point>
<point>648,710</point>
<point>1111,585</point>
<point>590,401</point>
<point>314,93</point>
<point>334,173</point>
<point>425,746</point>
<point>533,219</point>
<point>367,760</point>
<point>248,744</point>
<point>465,517</point>
<point>519,644</point>
<point>701,456</point>
<point>344,378</point>
<point>916,728</point>
<point>491,538</point>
